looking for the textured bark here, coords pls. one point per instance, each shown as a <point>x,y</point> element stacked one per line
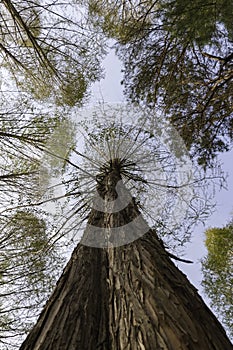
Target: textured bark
<point>131,297</point>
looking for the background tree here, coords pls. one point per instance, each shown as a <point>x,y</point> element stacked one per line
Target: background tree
<point>218,272</point>
<point>29,267</point>
<point>25,128</point>
<point>29,264</point>
<point>177,56</point>
<point>48,49</point>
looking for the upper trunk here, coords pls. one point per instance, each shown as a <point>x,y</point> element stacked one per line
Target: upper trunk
<point>128,297</point>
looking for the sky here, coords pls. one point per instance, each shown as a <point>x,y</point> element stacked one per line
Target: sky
<point>110,90</point>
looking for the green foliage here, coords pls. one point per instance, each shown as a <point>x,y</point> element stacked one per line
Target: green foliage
<point>196,21</point>
<point>177,57</point>
<point>218,272</point>
<point>119,20</point>
<point>28,241</point>
<point>29,268</point>
<point>219,242</point>
<point>48,49</point>
<point>59,146</point>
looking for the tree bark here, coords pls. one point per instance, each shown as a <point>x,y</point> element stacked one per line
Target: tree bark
<point>130,297</point>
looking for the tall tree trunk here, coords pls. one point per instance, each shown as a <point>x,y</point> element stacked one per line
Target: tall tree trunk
<point>130,297</point>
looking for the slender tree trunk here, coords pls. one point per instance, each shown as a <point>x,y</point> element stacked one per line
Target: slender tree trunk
<point>130,297</point>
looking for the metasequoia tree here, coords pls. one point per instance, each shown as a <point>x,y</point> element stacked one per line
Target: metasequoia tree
<point>120,289</point>
<point>126,297</point>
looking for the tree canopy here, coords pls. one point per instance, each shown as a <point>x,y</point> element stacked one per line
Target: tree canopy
<point>174,194</point>
<point>29,269</point>
<point>218,272</point>
<point>48,49</point>
<point>178,57</point>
